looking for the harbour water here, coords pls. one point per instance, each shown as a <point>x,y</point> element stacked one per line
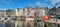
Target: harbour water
<point>6,24</point>
<point>21,23</point>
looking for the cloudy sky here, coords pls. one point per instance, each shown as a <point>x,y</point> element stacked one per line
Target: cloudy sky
<point>25,3</point>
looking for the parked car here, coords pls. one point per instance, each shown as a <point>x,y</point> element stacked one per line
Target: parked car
<point>58,16</point>
<point>52,16</point>
<point>55,16</point>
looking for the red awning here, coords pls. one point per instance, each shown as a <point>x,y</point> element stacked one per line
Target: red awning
<point>15,16</point>
<point>30,17</point>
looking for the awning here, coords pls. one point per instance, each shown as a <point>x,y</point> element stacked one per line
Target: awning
<point>30,17</point>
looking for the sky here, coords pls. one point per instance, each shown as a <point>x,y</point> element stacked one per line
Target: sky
<point>7,4</point>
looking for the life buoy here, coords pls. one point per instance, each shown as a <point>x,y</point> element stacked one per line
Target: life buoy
<point>46,18</point>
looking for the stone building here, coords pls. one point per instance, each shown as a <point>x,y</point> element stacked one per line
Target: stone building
<point>10,12</point>
<point>2,13</point>
<point>19,12</point>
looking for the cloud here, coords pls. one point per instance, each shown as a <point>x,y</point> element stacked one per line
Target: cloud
<point>38,3</point>
<point>54,1</point>
<point>29,5</point>
<point>6,1</point>
<point>46,0</point>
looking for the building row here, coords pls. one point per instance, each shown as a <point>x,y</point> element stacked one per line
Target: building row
<point>32,11</point>
<point>55,11</point>
<point>8,12</point>
<point>25,12</point>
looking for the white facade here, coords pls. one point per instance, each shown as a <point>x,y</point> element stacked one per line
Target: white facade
<point>19,12</point>
<point>0,13</point>
<point>42,12</point>
<point>26,12</point>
